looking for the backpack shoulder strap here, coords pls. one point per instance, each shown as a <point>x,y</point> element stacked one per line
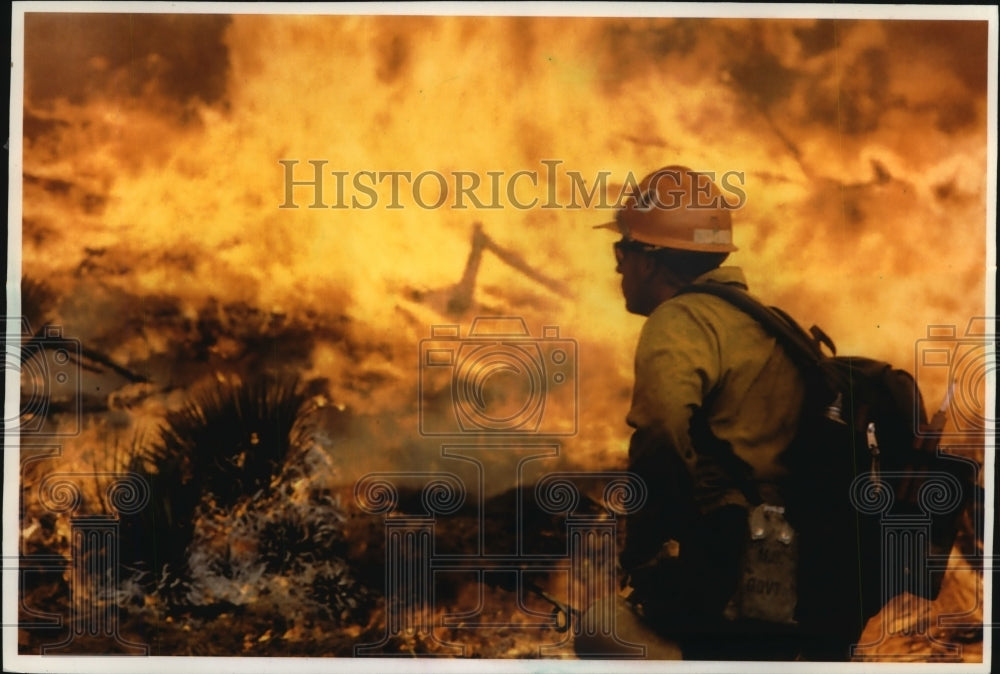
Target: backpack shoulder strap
<point>802,349</point>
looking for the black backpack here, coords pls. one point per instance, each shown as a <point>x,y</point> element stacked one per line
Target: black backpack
<point>876,504</point>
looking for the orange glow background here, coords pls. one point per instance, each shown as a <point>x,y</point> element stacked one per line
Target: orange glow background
<point>152,142</point>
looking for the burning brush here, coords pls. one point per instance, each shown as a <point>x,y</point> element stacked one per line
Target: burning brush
<point>224,448</point>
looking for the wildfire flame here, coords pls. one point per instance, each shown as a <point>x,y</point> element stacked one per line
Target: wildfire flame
<point>858,176</point>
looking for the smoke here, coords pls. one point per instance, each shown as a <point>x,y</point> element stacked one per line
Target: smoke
<point>152,148</point>
<point>170,60</point>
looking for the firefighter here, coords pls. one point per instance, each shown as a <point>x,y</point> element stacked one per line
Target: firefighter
<point>715,401</point>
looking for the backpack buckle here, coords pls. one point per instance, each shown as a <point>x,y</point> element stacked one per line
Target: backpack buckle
<point>834,409</point>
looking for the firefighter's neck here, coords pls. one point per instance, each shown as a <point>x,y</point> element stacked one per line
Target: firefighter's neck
<point>658,284</point>
<point>659,291</point>
<point>663,293</point>
<point>666,284</point>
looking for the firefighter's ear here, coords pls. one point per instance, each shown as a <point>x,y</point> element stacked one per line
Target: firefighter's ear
<point>647,266</point>
<point>670,276</point>
<point>660,273</point>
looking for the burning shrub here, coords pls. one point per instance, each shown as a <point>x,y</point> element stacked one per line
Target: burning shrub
<point>283,552</point>
<point>228,442</point>
<point>296,534</point>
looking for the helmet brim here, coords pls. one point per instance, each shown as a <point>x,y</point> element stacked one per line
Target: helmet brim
<point>613,226</point>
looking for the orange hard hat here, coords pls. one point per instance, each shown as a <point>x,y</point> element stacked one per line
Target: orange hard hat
<point>676,207</point>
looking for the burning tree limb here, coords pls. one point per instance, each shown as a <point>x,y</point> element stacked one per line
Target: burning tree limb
<point>30,347</point>
<point>464,289</point>
<point>37,301</point>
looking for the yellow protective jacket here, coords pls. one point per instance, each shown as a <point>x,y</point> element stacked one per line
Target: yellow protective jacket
<point>715,402</point>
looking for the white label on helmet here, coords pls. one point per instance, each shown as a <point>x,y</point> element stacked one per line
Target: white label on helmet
<point>713,236</point>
